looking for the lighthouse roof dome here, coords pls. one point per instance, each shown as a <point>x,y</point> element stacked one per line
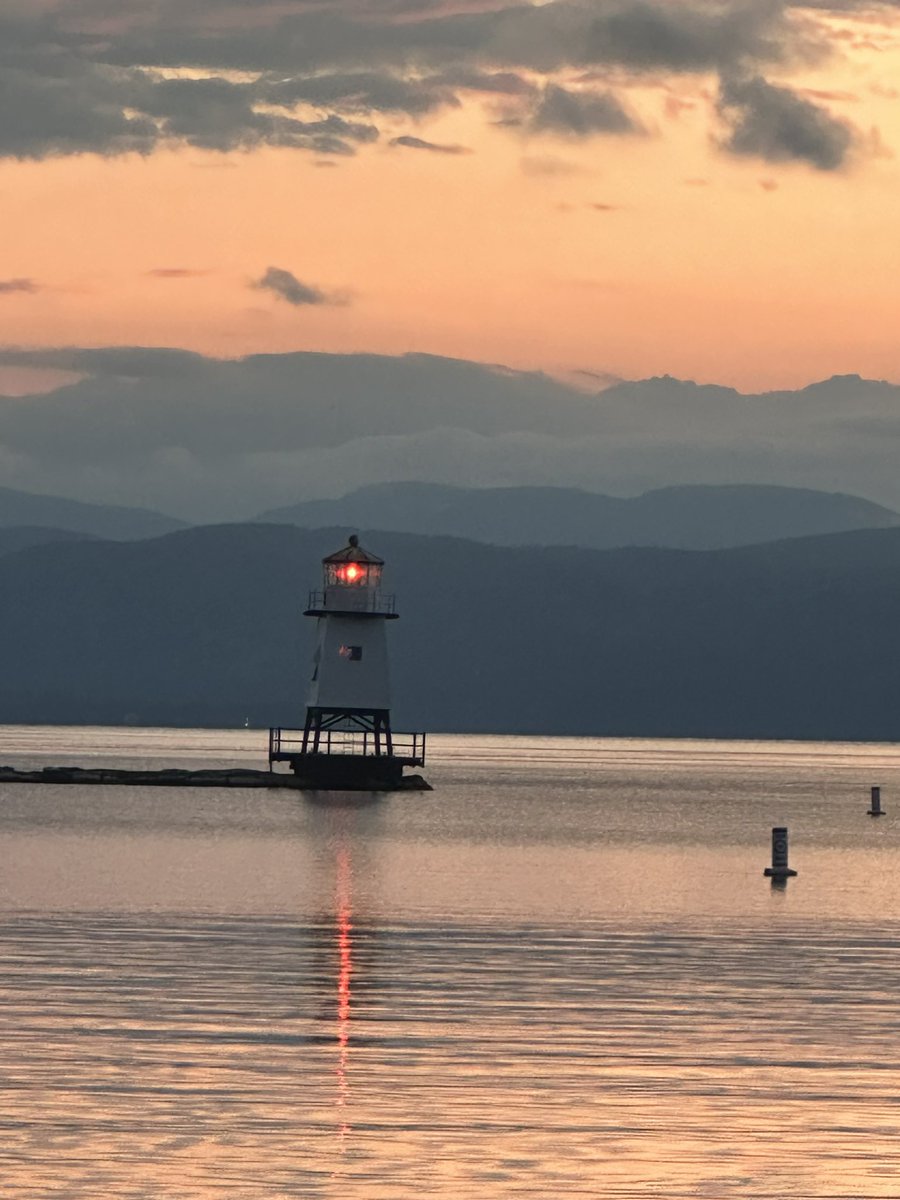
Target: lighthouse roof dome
<point>353,552</point>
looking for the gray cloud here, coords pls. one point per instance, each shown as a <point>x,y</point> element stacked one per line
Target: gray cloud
<point>776,124</point>
<point>415,143</point>
<point>217,114</point>
<point>94,76</point>
<point>108,362</point>
<point>8,286</point>
<point>580,113</point>
<point>91,108</point>
<point>362,91</point>
<point>691,36</point>
<point>498,83</point>
<point>75,109</point>
<point>288,287</point>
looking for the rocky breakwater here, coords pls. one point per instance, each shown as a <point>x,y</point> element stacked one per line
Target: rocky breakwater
<point>233,777</point>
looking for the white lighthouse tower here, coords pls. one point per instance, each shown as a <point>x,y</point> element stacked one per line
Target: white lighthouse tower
<point>347,740</point>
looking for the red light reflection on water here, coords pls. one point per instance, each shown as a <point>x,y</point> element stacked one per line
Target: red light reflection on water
<point>345,972</point>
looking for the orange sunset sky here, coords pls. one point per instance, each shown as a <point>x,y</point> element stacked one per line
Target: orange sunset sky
<point>708,190</point>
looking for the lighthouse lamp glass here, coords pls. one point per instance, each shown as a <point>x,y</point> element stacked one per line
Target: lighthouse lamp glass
<point>353,574</point>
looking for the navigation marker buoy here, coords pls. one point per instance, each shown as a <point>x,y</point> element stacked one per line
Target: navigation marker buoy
<point>779,868</point>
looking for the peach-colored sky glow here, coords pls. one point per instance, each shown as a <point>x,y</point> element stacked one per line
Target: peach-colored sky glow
<point>752,244</point>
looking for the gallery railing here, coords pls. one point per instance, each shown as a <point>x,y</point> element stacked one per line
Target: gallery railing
<point>287,744</point>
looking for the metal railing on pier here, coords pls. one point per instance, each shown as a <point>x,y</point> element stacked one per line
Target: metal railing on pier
<point>287,744</point>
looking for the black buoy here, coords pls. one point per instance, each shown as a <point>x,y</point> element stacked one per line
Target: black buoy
<point>779,868</point>
<point>876,810</point>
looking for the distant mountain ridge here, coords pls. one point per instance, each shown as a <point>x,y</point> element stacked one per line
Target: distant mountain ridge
<point>222,439</point>
<point>30,510</point>
<point>698,517</point>
<point>687,517</point>
<point>19,537</point>
<point>792,639</point>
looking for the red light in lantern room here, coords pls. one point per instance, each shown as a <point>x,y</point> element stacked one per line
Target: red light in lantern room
<point>352,573</point>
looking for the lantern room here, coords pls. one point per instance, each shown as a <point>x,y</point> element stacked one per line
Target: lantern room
<point>352,584</point>
<point>352,567</point>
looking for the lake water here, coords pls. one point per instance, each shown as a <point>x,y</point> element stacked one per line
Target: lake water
<point>561,973</point>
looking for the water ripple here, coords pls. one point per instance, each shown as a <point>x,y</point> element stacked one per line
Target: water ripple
<point>196,1058</point>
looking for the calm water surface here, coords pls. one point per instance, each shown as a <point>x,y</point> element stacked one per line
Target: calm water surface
<point>561,973</point>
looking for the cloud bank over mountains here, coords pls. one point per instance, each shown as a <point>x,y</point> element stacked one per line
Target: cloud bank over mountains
<point>113,78</point>
<point>213,439</point>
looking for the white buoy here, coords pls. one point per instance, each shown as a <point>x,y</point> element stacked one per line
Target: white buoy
<point>876,810</point>
<point>779,868</point>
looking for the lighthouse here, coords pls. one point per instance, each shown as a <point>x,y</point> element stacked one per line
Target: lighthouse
<point>347,741</point>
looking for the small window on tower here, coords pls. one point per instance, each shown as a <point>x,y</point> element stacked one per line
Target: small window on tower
<point>354,653</point>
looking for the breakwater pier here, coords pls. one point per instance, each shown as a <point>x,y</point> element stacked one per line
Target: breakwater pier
<point>230,777</point>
